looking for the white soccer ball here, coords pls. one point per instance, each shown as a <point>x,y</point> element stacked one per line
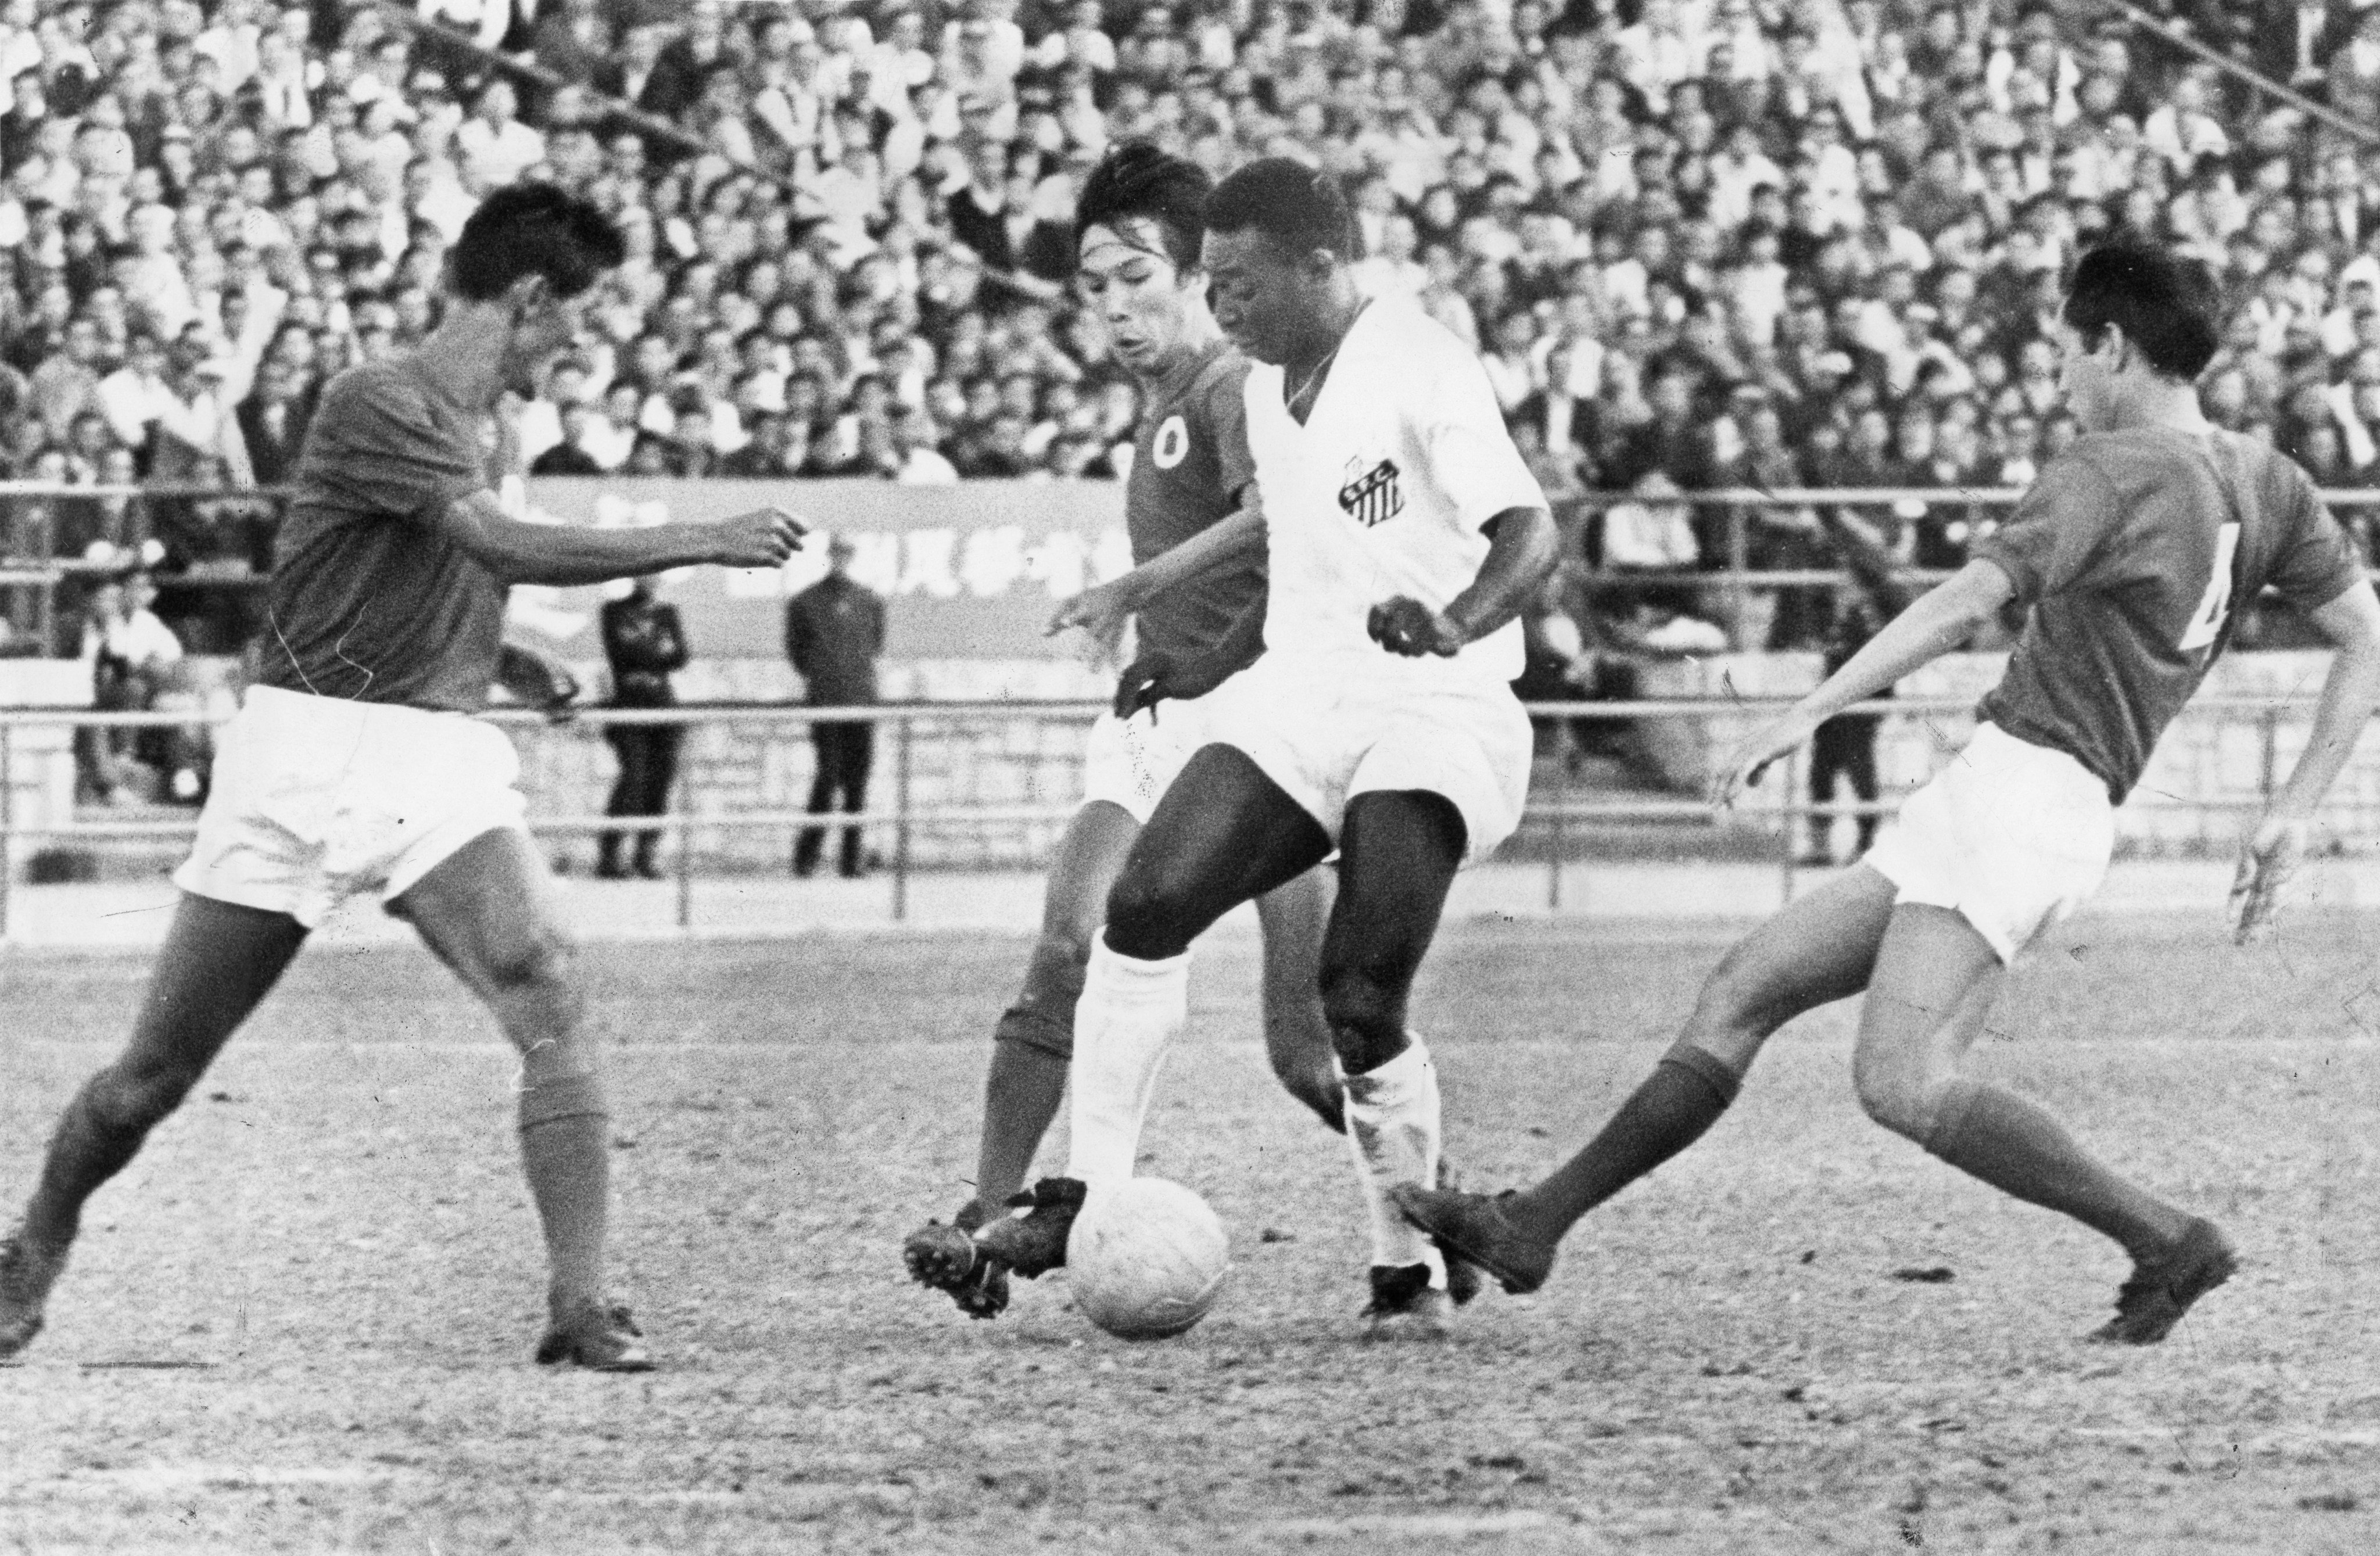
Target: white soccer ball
<point>1146,1258</point>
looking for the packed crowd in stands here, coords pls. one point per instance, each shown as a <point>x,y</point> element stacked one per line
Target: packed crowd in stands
<point>1698,242</point>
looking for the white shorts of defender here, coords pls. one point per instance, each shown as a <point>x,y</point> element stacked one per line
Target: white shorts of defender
<point>317,800</point>
<point>1325,736</point>
<point>2012,836</point>
<point>1130,763</point>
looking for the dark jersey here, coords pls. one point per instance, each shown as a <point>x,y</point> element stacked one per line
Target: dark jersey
<point>369,601</point>
<point>2134,549</point>
<point>835,629</point>
<point>1190,464</point>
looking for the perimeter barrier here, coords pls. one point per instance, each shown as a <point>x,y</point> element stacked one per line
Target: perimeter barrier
<point>1564,813</point>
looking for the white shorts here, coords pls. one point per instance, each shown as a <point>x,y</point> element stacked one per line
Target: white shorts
<point>1130,763</point>
<point>2012,835</point>
<point>317,800</point>
<point>1326,737</point>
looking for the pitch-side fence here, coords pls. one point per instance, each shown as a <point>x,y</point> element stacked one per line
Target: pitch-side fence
<point>29,576</point>
<point>1564,813</point>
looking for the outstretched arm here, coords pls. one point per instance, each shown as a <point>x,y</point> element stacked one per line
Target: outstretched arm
<point>1940,620</point>
<point>564,555</point>
<point>2350,694</point>
<point>1102,609</point>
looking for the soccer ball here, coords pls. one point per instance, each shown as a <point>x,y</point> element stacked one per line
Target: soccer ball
<point>1146,1258</point>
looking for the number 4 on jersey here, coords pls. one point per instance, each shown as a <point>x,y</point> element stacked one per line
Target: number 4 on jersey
<point>2207,622</point>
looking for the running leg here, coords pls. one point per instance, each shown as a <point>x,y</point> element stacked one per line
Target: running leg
<point>1935,983</point>
<point>488,913</point>
<point>219,962</point>
<point>1224,833</point>
<point>1036,1036</point>
<point>1399,852</point>
<point>1816,951</point>
<point>1297,1036</point>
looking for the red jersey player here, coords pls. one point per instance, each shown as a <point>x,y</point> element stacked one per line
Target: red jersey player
<point>2131,550</point>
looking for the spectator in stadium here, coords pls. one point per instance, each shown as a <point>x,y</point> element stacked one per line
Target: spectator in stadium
<point>272,421</point>
<point>129,651</point>
<point>835,632</point>
<point>1709,194</point>
<point>1845,746</point>
<point>643,642</point>
<point>575,420</point>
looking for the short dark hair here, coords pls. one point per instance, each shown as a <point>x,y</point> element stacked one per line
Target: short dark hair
<point>1137,179</point>
<point>533,229</point>
<point>1298,207</point>
<point>2169,304</point>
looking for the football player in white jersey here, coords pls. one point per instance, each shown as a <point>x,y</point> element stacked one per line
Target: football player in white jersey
<point>1405,533</point>
<point>1137,227</point>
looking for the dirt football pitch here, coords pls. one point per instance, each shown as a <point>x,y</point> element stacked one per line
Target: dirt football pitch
<point>302,1321</point>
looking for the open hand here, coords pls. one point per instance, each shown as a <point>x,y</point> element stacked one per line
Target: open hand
<point>1102,611</point>
<point>1157,675</point>
<point>2267,859</point>
<point>1745,764</point>
<point>763,537</point>
<point>1406,626</point>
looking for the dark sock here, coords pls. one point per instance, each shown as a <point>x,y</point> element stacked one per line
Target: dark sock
<point>566,1150</point>
<point>1021,1097</point>
<point>86,1149</point>
<point>1683,1096</point>
<point>2016,1146</point>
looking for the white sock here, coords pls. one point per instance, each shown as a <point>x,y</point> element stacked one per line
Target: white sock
<point>1392,1129</point>
<point>1129,1013</point>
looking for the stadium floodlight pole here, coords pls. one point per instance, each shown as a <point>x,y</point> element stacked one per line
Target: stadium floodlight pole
<point>2368,134</point>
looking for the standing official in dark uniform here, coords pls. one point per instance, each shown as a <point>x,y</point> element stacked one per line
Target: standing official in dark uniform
<point>644,642</point>
<point>835,629</point>
<point>1845,746</point>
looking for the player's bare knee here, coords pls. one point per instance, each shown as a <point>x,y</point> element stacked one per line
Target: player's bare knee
<point>536,960</point>
<point>1144,918</point>
<point>1054,975</point>
<point>1366,1015</point>
<point>1733,1010</point>
<point>136,1095</point>
<point>1896,1092</point>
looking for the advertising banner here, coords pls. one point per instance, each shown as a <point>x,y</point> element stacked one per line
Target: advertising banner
<point>970,571</point>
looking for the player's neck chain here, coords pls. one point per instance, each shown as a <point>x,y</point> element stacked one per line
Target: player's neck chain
<point>1314,377</point>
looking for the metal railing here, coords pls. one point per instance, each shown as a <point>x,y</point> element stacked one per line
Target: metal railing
<point>1553,814</point>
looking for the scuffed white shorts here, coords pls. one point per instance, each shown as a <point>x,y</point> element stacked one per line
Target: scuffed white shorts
<point>2012,836</point>
<point>1326,736</point>
<point>1130,763</point>
<point>317,800</point>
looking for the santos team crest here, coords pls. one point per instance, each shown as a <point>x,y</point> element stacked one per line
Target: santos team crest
<point>1372,496</point>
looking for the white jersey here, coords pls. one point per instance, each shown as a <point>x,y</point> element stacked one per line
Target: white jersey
<point>1403,456</point>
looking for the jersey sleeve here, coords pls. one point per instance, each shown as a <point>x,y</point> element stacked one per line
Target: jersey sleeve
<point>374,448</point>
<point>1223,408</point>
<point>2059,527</point>
<point>2317,563</point>
<point>1472,458</point>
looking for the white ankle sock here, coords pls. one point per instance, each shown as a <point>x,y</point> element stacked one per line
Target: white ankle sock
<point>1393,1128</point>
<point>1129,1013</point>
